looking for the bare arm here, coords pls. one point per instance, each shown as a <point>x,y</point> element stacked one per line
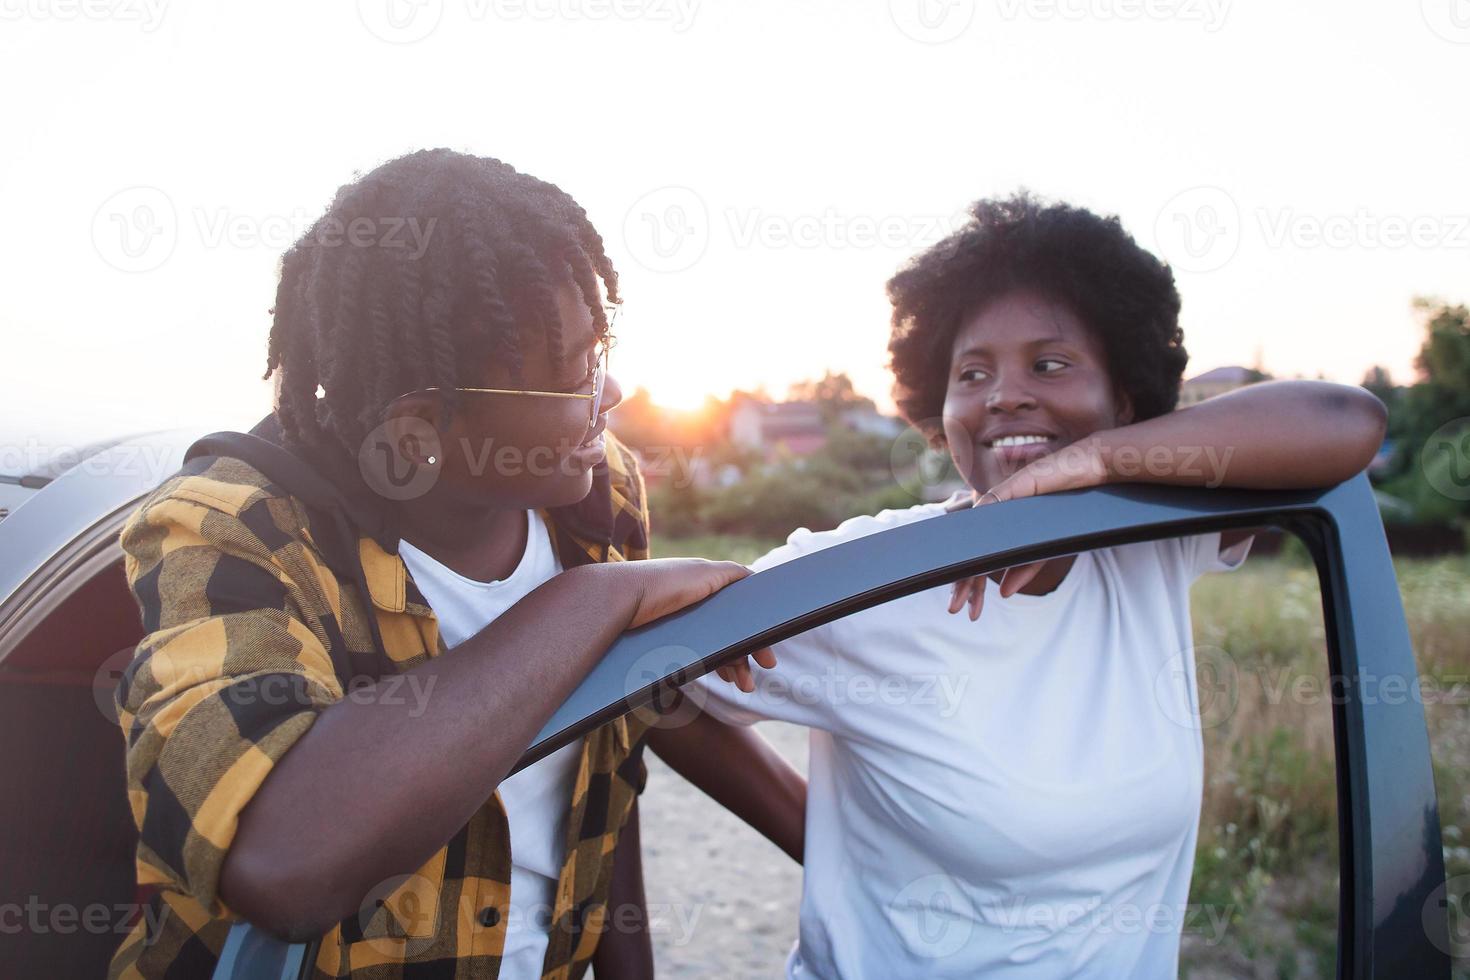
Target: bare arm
<point>376,786</point>
<point>1276,435</point>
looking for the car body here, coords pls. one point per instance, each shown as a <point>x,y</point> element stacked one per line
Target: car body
<point>68,624</point>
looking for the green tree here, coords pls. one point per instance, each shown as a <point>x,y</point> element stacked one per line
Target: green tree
<point>1444,360</point>
<point>775,501</point>
<point>1439,397</point>
<point>863,452</point>
<point>1377,381</point>
<point>833,393</point>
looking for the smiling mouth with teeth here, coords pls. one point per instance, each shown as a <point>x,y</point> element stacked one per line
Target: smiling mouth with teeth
<point>1005,441</point>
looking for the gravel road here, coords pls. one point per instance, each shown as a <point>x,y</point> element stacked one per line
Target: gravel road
<point>723,899</point>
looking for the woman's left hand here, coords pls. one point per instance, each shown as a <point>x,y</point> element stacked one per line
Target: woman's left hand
<point>1073,467</point>
<point>737,672</point>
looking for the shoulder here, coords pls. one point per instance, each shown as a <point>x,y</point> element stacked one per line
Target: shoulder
<point>218,538</point>
<point>221,500</point>
<point>804,541</point>
<point>224,483</point>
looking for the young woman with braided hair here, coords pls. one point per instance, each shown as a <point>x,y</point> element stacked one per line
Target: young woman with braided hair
<point>439,350</point>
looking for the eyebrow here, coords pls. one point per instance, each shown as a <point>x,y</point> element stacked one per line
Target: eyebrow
<point>1039,342</point>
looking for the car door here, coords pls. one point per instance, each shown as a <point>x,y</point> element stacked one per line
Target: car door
<point>1392,917</point>
<point>68,626</point>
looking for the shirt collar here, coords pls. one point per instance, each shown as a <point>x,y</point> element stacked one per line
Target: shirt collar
<point>583,532</point>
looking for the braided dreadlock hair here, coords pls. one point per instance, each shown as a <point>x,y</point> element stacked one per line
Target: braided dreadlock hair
<point>430,262</point>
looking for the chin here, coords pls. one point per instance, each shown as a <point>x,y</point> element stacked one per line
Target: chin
<point>566,491</point>
<point>538,493</point>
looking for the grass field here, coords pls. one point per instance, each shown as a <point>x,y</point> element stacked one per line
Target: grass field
<point>1266,865</point>
<point>1268,834</point>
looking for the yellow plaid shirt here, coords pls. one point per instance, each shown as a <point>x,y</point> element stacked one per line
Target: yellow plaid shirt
<point>240,606</point>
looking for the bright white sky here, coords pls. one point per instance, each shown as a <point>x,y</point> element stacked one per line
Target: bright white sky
<point>1302,165</point>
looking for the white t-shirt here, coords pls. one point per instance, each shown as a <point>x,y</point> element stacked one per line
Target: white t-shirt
<point>537,798</point>
<point>1016,797</point>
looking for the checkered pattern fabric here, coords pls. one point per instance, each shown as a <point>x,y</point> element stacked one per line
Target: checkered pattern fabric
<point>241,609</point>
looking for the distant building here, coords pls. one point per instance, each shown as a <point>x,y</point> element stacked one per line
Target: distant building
<point>798,428</point>
<point>770,426</point>
<point>872,422</point>
<point>1216,382</point>
<point>680,469</point>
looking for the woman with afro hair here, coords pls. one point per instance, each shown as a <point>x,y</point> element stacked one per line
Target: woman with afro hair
<point>1019,797</point>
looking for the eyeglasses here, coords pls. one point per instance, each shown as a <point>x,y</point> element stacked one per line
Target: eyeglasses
<point>594,397</point>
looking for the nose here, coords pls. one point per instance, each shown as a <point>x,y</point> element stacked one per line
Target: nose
<point>1009,394</point>
<point>612,394</point>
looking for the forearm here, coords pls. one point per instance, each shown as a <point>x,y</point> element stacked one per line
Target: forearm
<point>1273,435</point>
<point>741,771</point>
<point>378,784</point>
<point>626,947</point>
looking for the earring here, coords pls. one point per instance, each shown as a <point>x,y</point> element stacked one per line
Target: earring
<point>432,461</point>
